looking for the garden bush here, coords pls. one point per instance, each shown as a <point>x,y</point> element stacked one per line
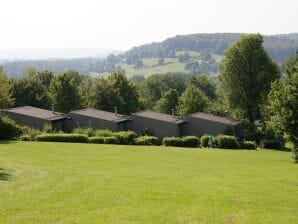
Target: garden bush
<point>9,129</point>
<point>125,137</point>
<point>147,140</point>
<point>103,133</point>
<point>26,138</point>
<point>227,142</point>
<point>191,141</point>
<point>204,140</point>
<point>271,144</point>
<point>248,145</point>
<point>96,140</point>
<point>173,141</point>
<point>62,138</point>
<point>84,131</point>
<point>29,133</point>
<point>110,140</point>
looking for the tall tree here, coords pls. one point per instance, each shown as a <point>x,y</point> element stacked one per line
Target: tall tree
<point>6,99</point>
<point>207,85</point>
<point>65,91</point>
<point>167,102</point>
<point>113,91</point>
<point>283,104</point>
<point>246,74</point>
<point>192,100</point>
<point>30,90</point>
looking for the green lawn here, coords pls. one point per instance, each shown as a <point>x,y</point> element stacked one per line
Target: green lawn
<point>85,183</point>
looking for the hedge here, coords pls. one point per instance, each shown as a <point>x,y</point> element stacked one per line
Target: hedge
<point>248,145</point>
<point>62,138</point>
<point>173,141</point>
<point>147,140</point>
<point>8,129</point>
<point>271,144</point>
<point>96,140</point>
<point>227,142</point>
<point>103,133</point>
<point>191,141</point>
<point>110,140</point>
<point>125,137</point>
<point>204,140</point>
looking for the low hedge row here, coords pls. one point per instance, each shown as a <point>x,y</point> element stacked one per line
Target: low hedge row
<point>125,137</point>
<point>188,141</point>
<point>62,138</point>
<point>147,140</point>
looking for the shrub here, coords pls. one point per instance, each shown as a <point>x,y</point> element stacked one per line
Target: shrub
<point>227,142</point>
<point>62,138</point>
<point>8,129</point>
<point>173,141</point>
<point>271,144</point>
<point>110,140</point>
<point>48,128</point>
<point>26,138</point>
<point>29,131</point>
<point>147,140</point>
<point>125,137</point>
<point>204,140</point>
<point>84,131</point>
<point>248,145</point>
<point>103,133</point>
<point>191,141</point>
<point>96,140</point>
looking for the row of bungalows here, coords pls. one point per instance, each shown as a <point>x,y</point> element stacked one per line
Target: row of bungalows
<point>160,124</point>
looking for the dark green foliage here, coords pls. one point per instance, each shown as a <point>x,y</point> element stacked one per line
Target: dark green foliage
<point>110,140</point>
<point>96,140</point>
<point>29,133</point>
<point>167,102</point>
<point>204,140</point>
<point>147,140</point>
<point>125,137</point>
<point>206,84</point>
<point>65,91</point>
<point>85,131</point>
<point>26,138</point>
<point>8,129</point>
<point>248,145</point>
<point>246,76</point>
<point>229,131</point>
<point>227,142</point>
<point>6,99</point>
<point>173,141</point>
<point>271,143</point>
<point>187,141</point>
<point>191,141</point>
<point>103,133</point>
<point>149,132</point>
<point>62,138</point>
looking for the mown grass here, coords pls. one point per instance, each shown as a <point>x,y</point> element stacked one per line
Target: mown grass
<point>88,183</point>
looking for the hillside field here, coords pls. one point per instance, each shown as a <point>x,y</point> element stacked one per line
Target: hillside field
<point>87,183</point>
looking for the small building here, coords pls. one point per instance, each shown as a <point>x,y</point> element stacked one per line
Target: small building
<point>99,119</point>
<point>160,124</point>
<point>203,123</point>
<point>37,117</point>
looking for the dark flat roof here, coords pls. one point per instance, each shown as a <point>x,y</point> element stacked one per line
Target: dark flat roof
<point>101,114</point>
<point>160,116</point>
<point>37,112</point>
<point>214,118</point>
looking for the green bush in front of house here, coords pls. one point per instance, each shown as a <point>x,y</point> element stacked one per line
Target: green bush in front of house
<point>204,140</point>
<point>62,138</point>
<point>147,140</point>
<point>227,142</point>
<point>248,145</point>
<point>103,133</point>
<point>173,141</point>
<point>271,143</point>
<point>96,140</point>
<point>84,131</point>
<point>29,133</point>
<point>191,141</point>
<point>9,129</point>
<point>110,140</point>
<point>125,137</point>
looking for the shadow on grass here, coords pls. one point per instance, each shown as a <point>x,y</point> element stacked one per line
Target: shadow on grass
<point>7,142</point>
<point>4,175</point>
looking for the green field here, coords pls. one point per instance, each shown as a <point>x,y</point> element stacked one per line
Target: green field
<point>85,183</point>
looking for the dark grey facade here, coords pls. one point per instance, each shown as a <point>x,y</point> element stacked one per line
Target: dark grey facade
<point>202,123</point>
<point>98,119</point>
<point>162,125</point>
<point>36,117</point>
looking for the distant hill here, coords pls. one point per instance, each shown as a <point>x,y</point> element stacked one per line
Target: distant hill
<point>193,53</point>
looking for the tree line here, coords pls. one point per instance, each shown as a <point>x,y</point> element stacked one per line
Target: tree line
<point>251,87</point>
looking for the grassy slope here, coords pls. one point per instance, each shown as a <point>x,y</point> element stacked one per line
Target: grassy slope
<point>85,183</point>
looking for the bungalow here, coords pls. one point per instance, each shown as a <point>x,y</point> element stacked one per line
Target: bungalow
<point>99,119</point>
<point>162,125</point>
<point>203,123</point>
<point>36,117</point>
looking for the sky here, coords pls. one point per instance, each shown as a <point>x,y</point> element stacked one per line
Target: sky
<point>122,24</point>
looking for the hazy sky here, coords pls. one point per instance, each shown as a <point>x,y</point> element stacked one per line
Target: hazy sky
<point>121,24</point>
